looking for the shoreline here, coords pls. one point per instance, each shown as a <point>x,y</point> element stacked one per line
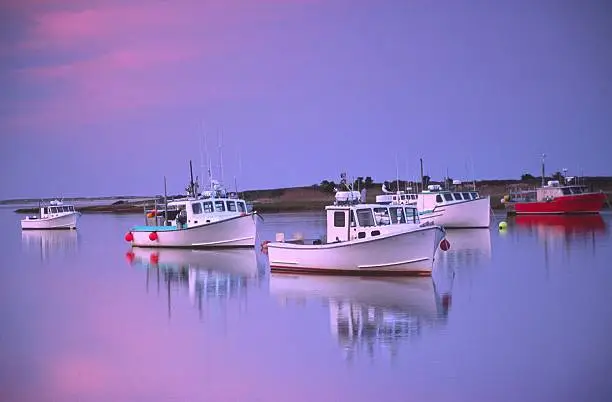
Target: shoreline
<point>290,199</point>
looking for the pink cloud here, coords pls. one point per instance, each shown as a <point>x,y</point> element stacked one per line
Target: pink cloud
<point>129,57</point>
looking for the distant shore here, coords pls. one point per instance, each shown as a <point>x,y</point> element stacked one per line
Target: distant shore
<point>291,199</point>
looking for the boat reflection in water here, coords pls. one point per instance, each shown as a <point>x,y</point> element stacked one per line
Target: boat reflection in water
<point>372,313</point>
<point>567,227</point>
<point>205,274</point>
<point>468,247</point>
<point>50,243</point>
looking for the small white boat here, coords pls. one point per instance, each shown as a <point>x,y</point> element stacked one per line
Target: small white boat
<point>56,215</point>
<point>362,239</point>
<point>451,209</point>
<point>214,218</point>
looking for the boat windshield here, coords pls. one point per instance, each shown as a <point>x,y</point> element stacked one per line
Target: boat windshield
<point>382,216</point>
<point>397,215</point>
<point>365,217</point>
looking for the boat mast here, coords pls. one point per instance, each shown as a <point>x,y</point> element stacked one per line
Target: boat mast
<point>543,170</point>
<point>165,203</point>
<point>422,184</point>
<point>191,183</point>
<point>397,176</point>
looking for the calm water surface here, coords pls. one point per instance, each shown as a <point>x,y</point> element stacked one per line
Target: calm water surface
<point>520,315</point>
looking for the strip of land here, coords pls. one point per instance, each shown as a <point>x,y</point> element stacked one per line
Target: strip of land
<point>293,199</point>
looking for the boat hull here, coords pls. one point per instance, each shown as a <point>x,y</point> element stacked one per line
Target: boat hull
<point>233,232</point>
<point>66,222</point>
<point>464,214</point>
<point>591,203</point>
<point>405,253</point>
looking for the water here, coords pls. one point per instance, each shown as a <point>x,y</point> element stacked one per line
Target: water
<point>520,315</point>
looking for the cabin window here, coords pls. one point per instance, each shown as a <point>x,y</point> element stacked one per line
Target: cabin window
<point>439,199</point>
<point>231,206</point>
<point>411,215</point>
<point>71,208</point>
<point>45,210</point>
<point>458,196</point>
<point>397,215</point>
<point>448,197</point>
<point>566,191</point>
<point>466,196</point>
<point>241,206</point>
<point>196,207</point>
<point>53,210</point>
<point>219,206</point>
<point>474,195</point>
<point>365,217</point>
<point>208,207</point>
<point>575,190</point>
<point>339,219</point>
<point>382,216</point>
<point>352,213</point>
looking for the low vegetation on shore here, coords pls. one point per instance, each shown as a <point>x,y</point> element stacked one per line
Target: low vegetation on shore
<point>317,196</point>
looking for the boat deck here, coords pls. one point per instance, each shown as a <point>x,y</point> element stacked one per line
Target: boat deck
<point>144,228</point>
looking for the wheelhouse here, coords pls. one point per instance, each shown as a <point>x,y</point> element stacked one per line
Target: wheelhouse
<point>351,222</point>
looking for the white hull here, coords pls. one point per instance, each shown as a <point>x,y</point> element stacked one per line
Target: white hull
<point>409,252</point>
<point>463,214</point>
<point>233,232</point>
<point>67,221</point>
<point>238,262</point>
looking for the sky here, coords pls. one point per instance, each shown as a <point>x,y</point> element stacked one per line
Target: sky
<point>106,97</point>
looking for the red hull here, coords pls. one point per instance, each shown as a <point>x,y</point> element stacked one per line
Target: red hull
<point>567,204</point>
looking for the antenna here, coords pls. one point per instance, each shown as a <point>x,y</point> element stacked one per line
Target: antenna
<point>473,174</point>
<point>221,155</point>
<point>202,160</point>
<point>397,175</point>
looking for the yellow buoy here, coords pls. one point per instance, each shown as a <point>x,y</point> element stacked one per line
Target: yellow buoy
<point>503,225</point>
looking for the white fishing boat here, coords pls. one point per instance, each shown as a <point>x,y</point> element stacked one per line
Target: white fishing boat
<point>214,218</point>
<point>362,239</point>
<point>370,314</point>
<point>451,209</point>
<point>55,215</point>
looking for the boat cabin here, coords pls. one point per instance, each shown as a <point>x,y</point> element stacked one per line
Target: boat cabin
<point>188,212</point>
<point>56,209</point>
<point>554,189</point>
<point>398,198</point>
<point>435,195</point>
<point>202,211</point>
<point>349,220</point>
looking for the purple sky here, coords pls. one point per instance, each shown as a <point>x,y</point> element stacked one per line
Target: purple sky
<point>106,97</point>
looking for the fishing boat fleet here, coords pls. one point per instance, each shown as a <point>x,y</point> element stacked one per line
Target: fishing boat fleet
<point>399,234</point>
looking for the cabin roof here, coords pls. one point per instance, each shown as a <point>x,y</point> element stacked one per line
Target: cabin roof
<point>358,206</point>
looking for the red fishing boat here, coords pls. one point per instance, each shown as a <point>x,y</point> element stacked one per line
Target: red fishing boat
<point>555,198</point>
